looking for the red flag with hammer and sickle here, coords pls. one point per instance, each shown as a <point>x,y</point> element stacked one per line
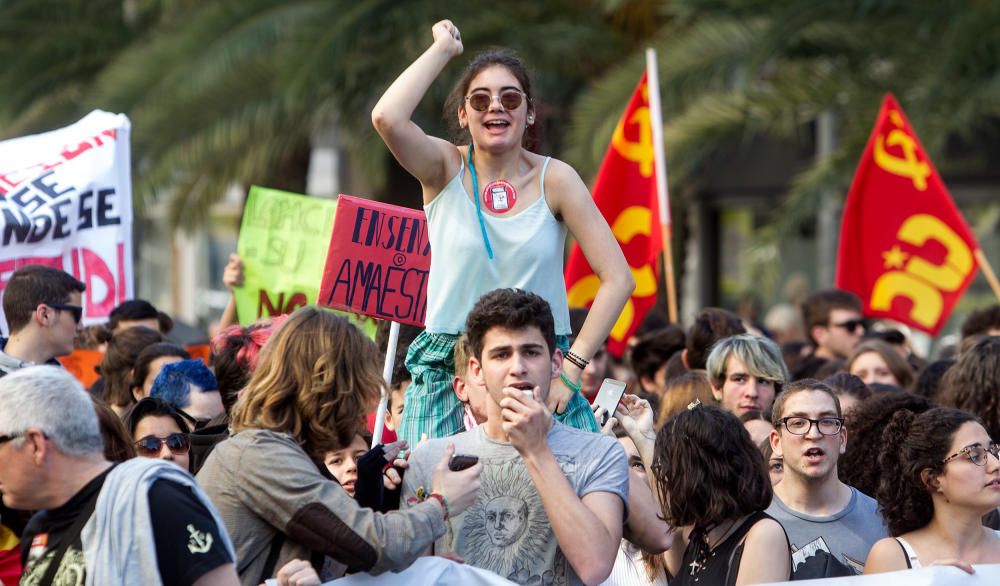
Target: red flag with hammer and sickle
<point>904,247</point>
<point>625,192</point>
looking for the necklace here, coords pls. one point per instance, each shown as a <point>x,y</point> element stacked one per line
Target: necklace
<point>479,209</point>
<point>705,549</point>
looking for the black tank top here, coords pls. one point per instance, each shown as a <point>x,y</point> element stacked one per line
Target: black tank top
<point>722,564</point>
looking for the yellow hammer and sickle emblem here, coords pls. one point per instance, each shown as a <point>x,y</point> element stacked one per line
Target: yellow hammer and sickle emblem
<point>631,222</point>
<point>927,302</point>
<point>922,282</point>
<point>638,152</point>
<point>908,165</point>
<point>917,230</point>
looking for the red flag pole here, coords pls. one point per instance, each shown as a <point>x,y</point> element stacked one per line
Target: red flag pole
<point>659,159</point>
<point>991,277</point>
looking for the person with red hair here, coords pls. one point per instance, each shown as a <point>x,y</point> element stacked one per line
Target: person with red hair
<point>235,352</point>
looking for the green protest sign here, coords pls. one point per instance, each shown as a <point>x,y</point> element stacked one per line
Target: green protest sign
<point>283,242</point>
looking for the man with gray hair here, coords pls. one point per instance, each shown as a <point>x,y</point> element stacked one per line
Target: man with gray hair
<point>746,372</point>
<point>144,521</point>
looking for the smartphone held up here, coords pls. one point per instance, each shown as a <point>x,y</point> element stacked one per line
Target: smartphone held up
<point>608,397</point>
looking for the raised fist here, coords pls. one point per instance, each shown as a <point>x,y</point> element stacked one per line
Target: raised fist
<point>447,36</point>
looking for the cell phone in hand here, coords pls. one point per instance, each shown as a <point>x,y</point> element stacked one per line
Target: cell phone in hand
<point>461,462</point>
<point>608,396</point>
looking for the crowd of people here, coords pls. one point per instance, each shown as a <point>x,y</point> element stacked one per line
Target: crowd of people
<point>738,455</point>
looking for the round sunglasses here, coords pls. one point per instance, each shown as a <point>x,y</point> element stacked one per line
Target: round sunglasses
<point>177,443</point>
<point>510,99</point>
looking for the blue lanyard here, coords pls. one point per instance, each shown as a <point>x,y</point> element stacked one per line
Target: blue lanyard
<point>479,209</point>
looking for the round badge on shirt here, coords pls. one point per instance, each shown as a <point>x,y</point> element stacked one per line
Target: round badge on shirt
<point>499,196</point>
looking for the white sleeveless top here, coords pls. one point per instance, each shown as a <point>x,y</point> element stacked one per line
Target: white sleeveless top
<point>912,561</point>
<point>528,251</point>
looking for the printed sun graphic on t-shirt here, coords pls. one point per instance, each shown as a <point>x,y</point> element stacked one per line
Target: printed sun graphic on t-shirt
<point>506,530</point>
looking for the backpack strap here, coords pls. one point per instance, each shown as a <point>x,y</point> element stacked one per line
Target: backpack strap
<point>274,550</point>
<point>272,557</point>
<point>68,538</point>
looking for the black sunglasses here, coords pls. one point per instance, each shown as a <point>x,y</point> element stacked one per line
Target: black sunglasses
<point>851,325</point>
<point>76,310</point>
<point>196,423</point>
<point>509,99</point>
<point>10,437</point>
<point>177,443</point>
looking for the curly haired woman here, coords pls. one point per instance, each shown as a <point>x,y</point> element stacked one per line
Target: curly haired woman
<point>940,475</point>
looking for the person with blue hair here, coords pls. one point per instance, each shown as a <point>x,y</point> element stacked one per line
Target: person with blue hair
<point>191,388</point>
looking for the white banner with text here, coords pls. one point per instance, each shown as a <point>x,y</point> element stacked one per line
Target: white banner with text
<point>66,202</point>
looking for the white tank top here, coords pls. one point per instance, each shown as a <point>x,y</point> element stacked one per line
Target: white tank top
<point>528,251</point>
<point>912,561</point>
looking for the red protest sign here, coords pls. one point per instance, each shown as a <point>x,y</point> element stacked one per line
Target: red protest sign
<point>378,261</point>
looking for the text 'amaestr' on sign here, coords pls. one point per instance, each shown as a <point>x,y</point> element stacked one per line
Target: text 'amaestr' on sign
<point>378,262</point>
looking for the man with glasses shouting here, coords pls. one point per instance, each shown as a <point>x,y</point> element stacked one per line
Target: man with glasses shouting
<point>831,526</point>
<point>43,311</point>
<point>97,522</point>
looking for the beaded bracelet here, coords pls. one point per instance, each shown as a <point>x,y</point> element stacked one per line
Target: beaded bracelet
<point>421,495</point>
<point>444,503</point>
<point>574,387</point>
<point>576,359</point>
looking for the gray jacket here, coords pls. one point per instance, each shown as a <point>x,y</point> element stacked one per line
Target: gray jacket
<point>262,483</point>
